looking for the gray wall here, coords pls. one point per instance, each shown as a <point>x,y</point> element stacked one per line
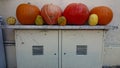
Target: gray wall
<point>2,51</point>
<point>112,37</point>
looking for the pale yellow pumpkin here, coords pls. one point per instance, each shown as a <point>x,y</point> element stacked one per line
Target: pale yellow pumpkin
<point>93,19</point>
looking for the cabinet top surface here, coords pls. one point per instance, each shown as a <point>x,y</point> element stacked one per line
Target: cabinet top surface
<point>85,27</point>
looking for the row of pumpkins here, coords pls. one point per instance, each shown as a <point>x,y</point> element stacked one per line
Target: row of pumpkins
<point>73,14</point>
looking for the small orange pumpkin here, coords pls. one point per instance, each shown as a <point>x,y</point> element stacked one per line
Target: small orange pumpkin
<point>104,13</point>
<point>50,13</point>
<point>27,13</point>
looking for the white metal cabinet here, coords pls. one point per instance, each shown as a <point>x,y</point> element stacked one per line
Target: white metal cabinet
<point>82,48</point>
<point>37,48</point>
<point>59,48</point>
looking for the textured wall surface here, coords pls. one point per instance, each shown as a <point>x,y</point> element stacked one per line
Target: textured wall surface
<point>112,37</point>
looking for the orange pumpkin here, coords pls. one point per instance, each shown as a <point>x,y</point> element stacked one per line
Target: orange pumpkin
<point>27,13</point>
<point>104,13</point>
<point>51,13</point>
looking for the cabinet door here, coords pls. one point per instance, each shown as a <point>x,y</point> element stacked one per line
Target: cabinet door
<point>82,48</point>
<point>37,48</point>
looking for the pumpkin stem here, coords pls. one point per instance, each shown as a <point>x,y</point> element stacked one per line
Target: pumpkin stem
<point>29,3</point>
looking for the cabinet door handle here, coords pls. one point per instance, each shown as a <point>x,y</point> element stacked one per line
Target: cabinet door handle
<point>64,53</point>
<point>54,53</point>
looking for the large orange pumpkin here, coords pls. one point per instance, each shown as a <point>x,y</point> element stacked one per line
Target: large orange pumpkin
<point>104,13</point>
<point>50,13</point>
<point>27,13</point>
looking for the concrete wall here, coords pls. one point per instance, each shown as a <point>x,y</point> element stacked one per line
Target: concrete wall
<point>112,37</point>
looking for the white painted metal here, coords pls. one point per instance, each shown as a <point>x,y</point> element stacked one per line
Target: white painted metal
<point>25,39</point>
<point>59,48</point>
<point>93,40</point>
<point>57,27</point>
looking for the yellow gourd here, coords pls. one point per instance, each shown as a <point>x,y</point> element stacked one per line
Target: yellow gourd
<point>62,21</point>
<point>93,19</point>
<point>39,20</point>
<point>11,20</point>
